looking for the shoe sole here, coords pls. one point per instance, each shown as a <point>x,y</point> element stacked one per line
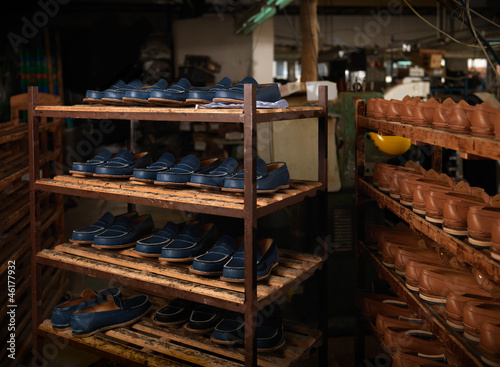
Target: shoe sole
<point>92,100</point>
<point>432,299</point>
<point>406,203</point>
<point>81,174</point>
<point>455,232</point>
<point>80,242</point>
<point>207,273</point>
<point>145,254</point>
<point>258,191</point>
<point>169,324</point>
<point>272,349</point>
<point>495,256</point>
<point>231,280</point>
<point>226,342</point>
<point>490,362</point>
<point>419,211</point>
<point>198,101</point>
<point>113,326</point>
<point>412,287</point>
<point>168,102</point>
<point>478,243</point>
<point>455,326</point>
<point>472,338</point>
<point>132,178</point>
<point>228,100</point>
<point>173,184</point>
<point>395,196</point>
<point>181,260</point>
<point>112,101</point>
<point>198,331</point>
<point>201,186</point>
<point>139,101</point>
<point>114,246</point>
<point>100,175</point>
<point>437,221</point>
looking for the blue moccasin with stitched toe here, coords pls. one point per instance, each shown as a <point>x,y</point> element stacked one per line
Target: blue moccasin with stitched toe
<point>267,259</point>
<point>198,95</point>
<point>211,262</point>
<point>270,178</point>
<point>123,165</point>
<point>148,174</point>
<point>230,330</point>
<point>61,314</point>
<point>82,169</point>
<point>151,246</point>
<point>95,96</point>
<point>115,95</point>
<point>141,95</point>
<point>114,312</point>
<point>175,94</point>
<point>86,235</point>
<point>180,173</point>
<point>193,240</point>
<point>125,232</point>
<point>265,92</point>
<point>215,178</point>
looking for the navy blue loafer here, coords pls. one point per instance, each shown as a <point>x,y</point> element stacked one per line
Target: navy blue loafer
<point>95,96</point>
<point>211,262</point>
<point>176,312</point>
<point>230,330</point>
<point>115,95</point>
<point>201,96</point>
<point>86,235</point>
<point>115,312</point>
<point>214,179</point>
<point>123,165</point>
<point>267,259</point>
<point>271,179</point>
<point>203,319</point>
<point>148,174</point>
<point>141,95</point>
<point>83,169</point>
<point>180,173</point>
<point>176,94</point>
<point>151,246</point>
<point>61,314</point>
<point>192,241</point>
<point>125,232</point>
<point>265,92</point>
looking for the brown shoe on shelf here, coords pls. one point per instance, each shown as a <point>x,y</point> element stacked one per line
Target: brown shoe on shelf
<point>418,341</point>
<point>441,118</point>
<point>476,313</point>
<point>415,267</point>
<point>456,209</point>
<point>397,237</point>
<point>435,284</point>
<point>370,107</point>
<point>489,343</point>
<point>371,304</point>
<point>374,231</point>
<point>394,109</point>
<point>408,184</point>
<point>396,179</point>
<point>479,224</point>
<point>495,240</point>
<point>459,118</point>
<point>393,244</point>
<point>408,108</point>
<point>382,322</point>
<point>496,128</point>
<point>454,309</point>
<point>483,119</point>
<point>435,256</point>
<point>421,189</point>
<point>412,359</point>
<point>435,199</point>
<point>386,173</point>
<point>377,108</point>
<point>424,112</point>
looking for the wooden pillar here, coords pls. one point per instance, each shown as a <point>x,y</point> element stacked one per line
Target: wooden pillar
<point>309,29</point>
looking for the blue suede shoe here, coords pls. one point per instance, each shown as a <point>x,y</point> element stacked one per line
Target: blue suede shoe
<point>231,330</point>
<point>192,241</point>
<point>265,92</point>
<point>273,178</point>
<point>125,232</point>
<point>115,312</point>
<point>141,95</point>
<point>148,174</point>
<point>175,94</point>
<point>176,312</point>
<point>95,96</point>
<point>211,262</point>
<point>180,173</point>
<point>151,246</point>
<point>201,96</point>
<point>83,169</point>
<point>204,318</point>
<point>86,235</point>
<point>61,314</point>
<point>123,165</point>
<point>215,178</point>
<point>267,259</point>
<point>115,95</point>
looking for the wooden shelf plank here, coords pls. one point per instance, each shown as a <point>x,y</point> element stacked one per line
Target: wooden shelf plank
<point>452,340</point>
<point>187,199</point>
<point>476,258</point>
<point>174,114</point>
<point>474,145</point>
<point>20,131</point>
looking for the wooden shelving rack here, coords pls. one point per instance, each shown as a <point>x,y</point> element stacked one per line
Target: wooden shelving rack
<point>469,147</point>
<point>164,345</point>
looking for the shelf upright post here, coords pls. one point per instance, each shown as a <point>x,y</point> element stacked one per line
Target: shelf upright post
<point>250,221</point>
<point>323,222</point>
<point>35,222</point>
<point>131,148</point>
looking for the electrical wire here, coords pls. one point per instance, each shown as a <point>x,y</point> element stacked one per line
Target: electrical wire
<point>478,14</point>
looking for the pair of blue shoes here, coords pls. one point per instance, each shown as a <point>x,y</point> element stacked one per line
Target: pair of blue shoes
<point>98,311</point>
<point>227,260</point>
<point>269,329</point>
<point>178,243</point>
<point>118,232</point>
<point>114,94</point>
<point>107,165</point>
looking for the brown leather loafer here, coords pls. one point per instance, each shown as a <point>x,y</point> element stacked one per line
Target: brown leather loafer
<point>408,108</point>
<point>479,224</point>
<point>374,232</point>
<point>412,359</point>
<point>475,315</point>
<point>396,237</point>
<point>495,240</point>
<point>396,179</point>
<point>403,255</point>
<point>422,188</point>
<point>414,341</point>
<point>483,119</point>
<point>459,117</point>
<point>415,267</point>
<point>372,304</point>
<point>454,309</point>
<point>423,112</point>
<point>394,109</point>
<point>389,243</point>
<point>386,173</point>
<point>455,211</point>
<point>489,343</point>
<point>377,108</point>
<point>441,118</point>
<point>435,284</point>
<point>382,322</point>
